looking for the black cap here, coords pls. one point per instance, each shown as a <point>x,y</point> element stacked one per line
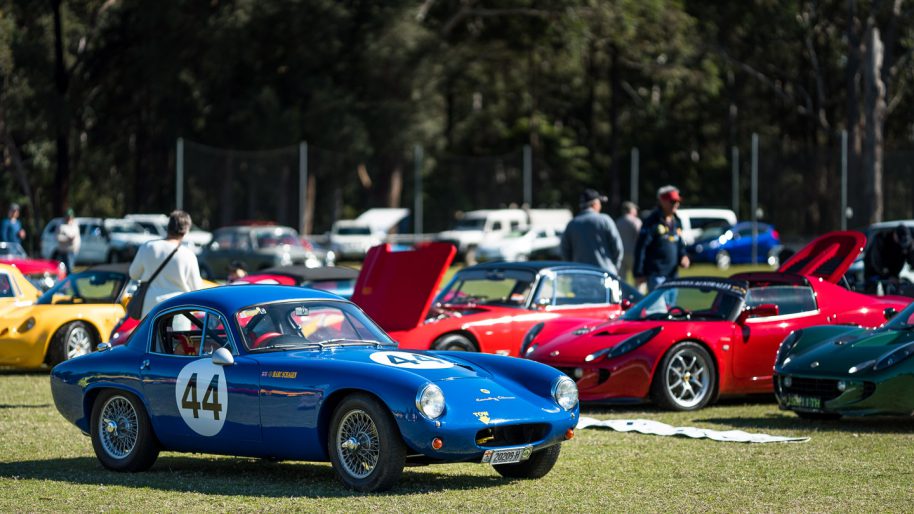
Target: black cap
<point>590,195</point>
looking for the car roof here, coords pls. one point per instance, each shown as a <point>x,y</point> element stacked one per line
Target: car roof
<point>535,266</point>
<point>230,299</point>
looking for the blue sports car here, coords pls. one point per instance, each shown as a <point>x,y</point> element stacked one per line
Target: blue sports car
<point>733,245</point>
<point>291,373</point>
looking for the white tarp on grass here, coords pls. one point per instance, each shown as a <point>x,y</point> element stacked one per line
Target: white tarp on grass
<point>645,426</point>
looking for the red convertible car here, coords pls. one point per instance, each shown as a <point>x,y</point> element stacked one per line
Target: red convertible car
<point>693,340</point>
<point>42,273</point>
<point>485,308</point>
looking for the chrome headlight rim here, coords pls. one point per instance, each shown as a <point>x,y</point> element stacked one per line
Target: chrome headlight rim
<point>569,398</point>
<point>424,398</point>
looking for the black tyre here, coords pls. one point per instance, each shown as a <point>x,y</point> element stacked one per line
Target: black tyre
<point>71,340</point>
<point>819,416</point>
<point>685,379</point>
<point>365,446</point>
<point>121,433</point>
<point>537,466</point>
<point>454,343</point>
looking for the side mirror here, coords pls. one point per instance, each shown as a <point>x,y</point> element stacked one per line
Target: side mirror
<point>542,303</point>
<point>889,313</point>
<point>223,357</point>
<point>103,347</point>
<point>759,311</point>
<point>626,304</point>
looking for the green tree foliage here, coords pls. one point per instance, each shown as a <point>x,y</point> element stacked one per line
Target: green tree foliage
<point>582,82</point>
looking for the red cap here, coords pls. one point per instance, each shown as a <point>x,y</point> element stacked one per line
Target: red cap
<point>672,196</point>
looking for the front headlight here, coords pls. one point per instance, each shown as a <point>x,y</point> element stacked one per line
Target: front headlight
<point>894,357</point>
<point>625,346</point>
<point>786,346</point>
<point>565,392</point>
<point>430,401</point>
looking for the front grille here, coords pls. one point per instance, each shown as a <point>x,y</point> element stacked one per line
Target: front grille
<point>511,435</point>
<point>816,387</point>
<point>569,372</point>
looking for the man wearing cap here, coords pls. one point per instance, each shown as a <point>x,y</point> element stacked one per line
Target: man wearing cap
<point>68,241</point>
<point>592,237</point>
<point>11,231</point>
<point>660,249</point>
<point>886,257</point>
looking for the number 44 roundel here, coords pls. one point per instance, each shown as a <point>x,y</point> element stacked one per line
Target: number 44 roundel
<point>202,396</point>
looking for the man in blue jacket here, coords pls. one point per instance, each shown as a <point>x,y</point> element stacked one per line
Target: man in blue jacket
<point>592,237</point>
<point>11,229</point>
<point>660,249</point>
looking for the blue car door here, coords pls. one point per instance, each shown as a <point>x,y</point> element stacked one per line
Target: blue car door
<point>195,404</point>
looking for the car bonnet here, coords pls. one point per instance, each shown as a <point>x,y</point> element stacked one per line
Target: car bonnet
<point>827,257</point>
<point>838,355</point>
<point>576,345</point>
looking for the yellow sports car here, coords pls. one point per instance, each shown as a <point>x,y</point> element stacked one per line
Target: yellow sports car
<point>68,320</point>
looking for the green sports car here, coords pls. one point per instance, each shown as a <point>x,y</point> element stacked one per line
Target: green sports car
<point>830,371</point>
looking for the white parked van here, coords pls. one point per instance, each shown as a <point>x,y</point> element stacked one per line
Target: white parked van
<point>695,220</point>
<point>490,226</point>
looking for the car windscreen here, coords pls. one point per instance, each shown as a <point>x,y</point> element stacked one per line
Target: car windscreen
<point>687,302</point>
<point>306,323</point>
<point>353,231</point>
<point>488,287</point>
<point>127,228</point>
<point>272,238</point>
<point>86,287</point>
<point>471,224</point>
<point>12,250</point>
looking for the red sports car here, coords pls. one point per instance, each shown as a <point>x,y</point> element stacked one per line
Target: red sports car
<point>42,273</point>
<point>486,308</point>
<point>693,340</point>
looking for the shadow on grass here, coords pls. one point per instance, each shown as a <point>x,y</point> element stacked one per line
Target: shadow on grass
<point>15,371</point>
<point>233,477</point>
<point>790,421</point>
<point>24,406</point>
<point>599,409</point>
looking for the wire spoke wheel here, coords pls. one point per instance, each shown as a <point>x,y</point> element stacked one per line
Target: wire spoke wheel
<point>79,342</point>
<point>118,427</point>
<point>358,443</point>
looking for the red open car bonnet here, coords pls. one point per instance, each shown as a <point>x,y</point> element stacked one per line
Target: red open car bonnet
<point>396,289</point>
<point>828,256</point>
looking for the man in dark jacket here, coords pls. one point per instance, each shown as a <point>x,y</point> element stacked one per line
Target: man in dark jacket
<point>592,237</point>
<point>660,249</point>
<point>887,255</point>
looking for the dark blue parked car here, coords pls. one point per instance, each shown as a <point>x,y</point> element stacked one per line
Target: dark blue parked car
<point>291,373</point>
<point>733,245</point>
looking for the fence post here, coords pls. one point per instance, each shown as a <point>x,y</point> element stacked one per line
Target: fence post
<point>179,175</point>
<point>417,195</point>
<point>754,198</point>
<point>633,191</point>
<point>734,153</point>
<point>302,186</point>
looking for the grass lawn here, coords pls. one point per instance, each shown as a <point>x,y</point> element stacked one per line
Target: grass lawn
<point>853,465</point>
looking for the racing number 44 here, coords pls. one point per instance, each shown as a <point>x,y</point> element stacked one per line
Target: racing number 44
<point>210,397</point>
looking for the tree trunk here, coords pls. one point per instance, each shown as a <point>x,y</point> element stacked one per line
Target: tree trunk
<point>854,119</point>
<point>61,117</point>
<point>615,88</point>
<point>875,112</point>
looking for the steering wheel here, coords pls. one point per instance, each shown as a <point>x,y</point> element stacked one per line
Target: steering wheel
<point>262,339</point>
<point>678,312</point>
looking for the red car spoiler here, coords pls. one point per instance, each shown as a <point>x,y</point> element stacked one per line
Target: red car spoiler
<point>396,289</point>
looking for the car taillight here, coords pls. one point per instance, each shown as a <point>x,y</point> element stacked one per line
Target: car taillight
<point>774,234</point>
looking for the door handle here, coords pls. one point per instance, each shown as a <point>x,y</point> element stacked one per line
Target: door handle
<point>144,365</point>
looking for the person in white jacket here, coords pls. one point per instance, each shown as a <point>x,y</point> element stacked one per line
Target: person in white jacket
<point>182,272</point>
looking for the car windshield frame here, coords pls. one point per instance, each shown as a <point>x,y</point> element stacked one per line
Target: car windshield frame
<point>123,281</point>
<point>350,310</point>
<point>735,292</point>
<point>896,322</point>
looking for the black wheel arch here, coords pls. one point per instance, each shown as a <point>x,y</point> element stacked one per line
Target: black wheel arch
<point>329,405</point>
<point>461,332</point>
<point>92,327</point>
<point>90,397</point>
